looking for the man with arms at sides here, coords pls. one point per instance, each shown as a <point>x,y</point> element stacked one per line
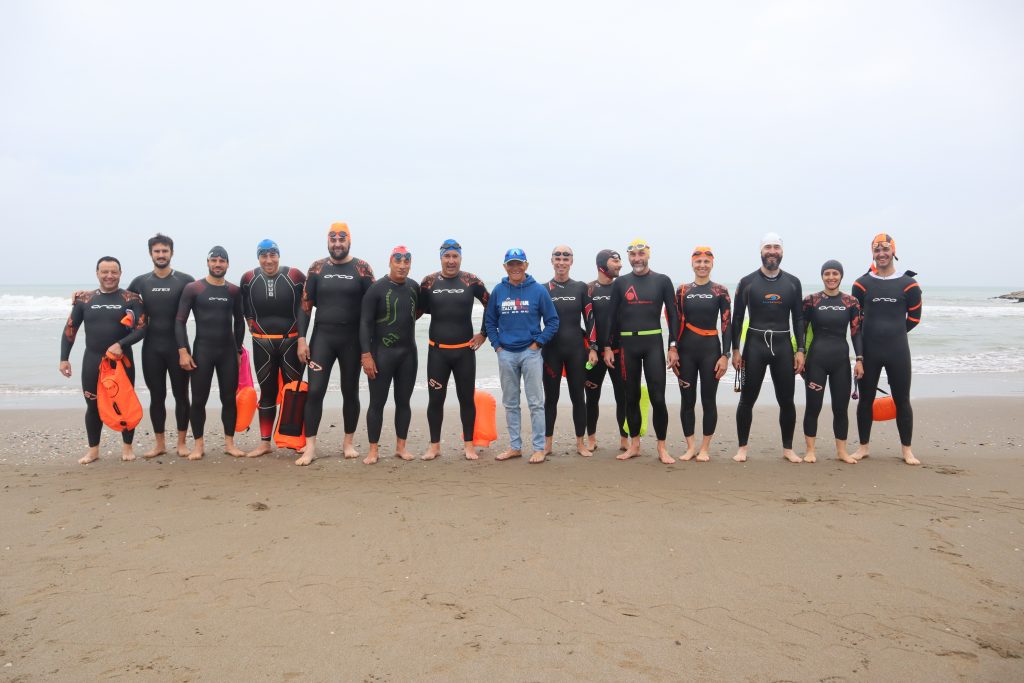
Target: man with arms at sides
<point>517,306</point>
<point>387,336</point>
<point>891,306</point>
<point>772,298</point>
<point>703,305</point>
<point>114,319</point>
<point>220,328</point>
<point>609,263</point>
<point>570,349</point>
<point>448,296</point>
<point>271,301</point>
<point>638,299</point>
<point>334,287</point>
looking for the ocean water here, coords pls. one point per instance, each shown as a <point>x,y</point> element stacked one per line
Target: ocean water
<point>967,344</point>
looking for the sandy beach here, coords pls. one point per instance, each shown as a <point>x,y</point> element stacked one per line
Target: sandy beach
<point>576,569</point>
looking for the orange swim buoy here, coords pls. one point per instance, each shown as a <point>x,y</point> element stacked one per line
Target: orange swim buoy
<point>485,429</point>
<point>246,401</point>
<point>118,404</point>
<point>883,409</point>
<point>290,431</point>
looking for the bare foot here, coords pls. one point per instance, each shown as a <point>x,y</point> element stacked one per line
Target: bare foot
<point>703,456</point>
<point>154,451</point>
<point>264,448</point>
<point>91,455</point>
<point>688,455</point>
<point>471,451</point>
<point>549,443</point>
<point>584,452</point>
<point>433,450</point>
<point>591,442</point>
<point>195,455</point>
<point>908,457</point>
<point>347,449</point>
<point>631,452</point>
<point>509,454</point>
<point>664,456</point>
<point>371,459</point>
<point>183,451</point>
<point>308,456</point>
<point>789,455</point>
<point>741,454</point>
<point>537,457</point>
<point>860,453</point>
<point>127,455</point>
<point>404,454</point>
<point>234,451</point>
<point>623,443</point>
<point>847,458</point>
<point>810,457</point>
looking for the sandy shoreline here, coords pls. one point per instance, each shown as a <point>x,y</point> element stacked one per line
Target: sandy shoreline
<point>585,570</point>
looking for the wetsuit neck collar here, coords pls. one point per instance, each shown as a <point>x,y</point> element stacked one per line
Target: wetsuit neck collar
<point>341,262</point>
<point>388,276</point>
<point>603,279</point>
<point>825,292</point>
<point>561,282</point>
<point>100,290</point>
<point>169,273</point>
<point>766,276</point>
<point>212,281</point>
<point>891,276</point>
<point>701,284</point>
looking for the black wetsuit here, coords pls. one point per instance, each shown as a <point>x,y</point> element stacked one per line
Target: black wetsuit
<point>160,297</point>
<point>336,290</point>
<point>701,308</point>
<point>220,328</point>
<point>772,302</point>
<point>102,314</point>
<point>891,308</point>
<point>635,327</point>
<point>828,358</point>
<point>568,351</point>
<point>387,330</point>
<point>449,301</point>
<point>271,306</point>
<point>601,299</point>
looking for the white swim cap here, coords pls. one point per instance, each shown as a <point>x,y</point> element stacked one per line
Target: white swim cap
<point>771,238</point>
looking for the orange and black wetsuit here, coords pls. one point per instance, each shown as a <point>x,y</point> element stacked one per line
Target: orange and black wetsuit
<point>336,291</point>
<point>701,309</point>
<point>601,299</point>
<point>568,351</point>
<point>160,297</point>
<point>108,317</point>
<point>828,358</point>
<point>772,301</point>
<point>271,305</point>
<point>449,302</point>
<point>220,328</point>
<point>891,307</point>
<point>635,327</point>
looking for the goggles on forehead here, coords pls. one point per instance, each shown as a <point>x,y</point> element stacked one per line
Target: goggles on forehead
<point>340,234</point>
<point>567,254</point>
<point>703,252</point>
<point>398,258</point>
<point>638,246</point>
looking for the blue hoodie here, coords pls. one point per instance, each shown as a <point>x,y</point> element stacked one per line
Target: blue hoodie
<point>514,313</point>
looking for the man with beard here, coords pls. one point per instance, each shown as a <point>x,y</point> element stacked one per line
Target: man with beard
<point>638,299</point>
<point>161,291</point>
<point>335,287</point>
<point>220,328</point>
<point>570,349</point>
<point>609,263</point>
<point>271,300</point>
<point>891,305</point>
<point>448,296</point>
<point>114,320</point>
<point>773,297</point>
<point>387,336</point>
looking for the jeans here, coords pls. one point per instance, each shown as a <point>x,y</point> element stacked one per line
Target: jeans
<point>526,364</point>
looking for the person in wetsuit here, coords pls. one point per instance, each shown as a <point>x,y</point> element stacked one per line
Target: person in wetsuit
<point>387,337</point>
<point>891,306</point>
<point>570,350</point>
<point>335,287</point>
<point>638,299</point>
<point>271,301</point>
<point>772,298</point>
<point>161,290</point>
<point>216,306</point>
<point>827,316</point>
<point>448,297</point>
<point>702,305</point>
<point>114,319</point>
<point>609,263</point>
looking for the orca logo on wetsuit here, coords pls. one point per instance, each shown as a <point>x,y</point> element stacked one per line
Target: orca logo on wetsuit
<point>447,291</point>
<point>605,297</point>
<point>700,296</point>
<point>563,298</point>
<point>831,308</point>
<point>116,307</point>
<point>342,276</point>
<point>883,298</point>
<point>773,298</point>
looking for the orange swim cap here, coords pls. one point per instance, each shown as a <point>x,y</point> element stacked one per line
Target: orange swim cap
<point>702,251</point>
<point>884,238</point>
<point>341,228</point>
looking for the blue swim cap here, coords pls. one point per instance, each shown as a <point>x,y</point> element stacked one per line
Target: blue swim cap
<point>451,245</point>
<point>515,254</point>
<point>267,246</point>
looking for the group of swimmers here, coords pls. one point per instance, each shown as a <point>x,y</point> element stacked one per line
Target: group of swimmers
<point>583,331</point>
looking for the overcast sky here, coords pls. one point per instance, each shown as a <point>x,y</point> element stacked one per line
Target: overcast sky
<point>515,124</point>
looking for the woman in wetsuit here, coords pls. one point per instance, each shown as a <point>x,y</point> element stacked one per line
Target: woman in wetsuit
<point>827,316</point>
<point>702,305</point>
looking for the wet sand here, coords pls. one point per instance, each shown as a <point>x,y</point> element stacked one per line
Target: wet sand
<point>576,569</point>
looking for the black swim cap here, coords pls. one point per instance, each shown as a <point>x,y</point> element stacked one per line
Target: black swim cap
<point>603,256</point>
<point>832,264</point>
<point>218,252</point>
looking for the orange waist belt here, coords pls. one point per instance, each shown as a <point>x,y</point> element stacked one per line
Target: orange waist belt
<point>701,332</point>
<point>274,336</point>
<point>464,345</point>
